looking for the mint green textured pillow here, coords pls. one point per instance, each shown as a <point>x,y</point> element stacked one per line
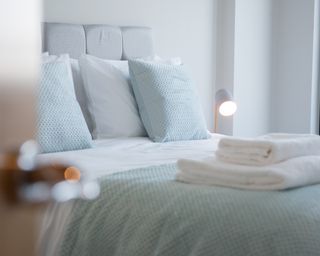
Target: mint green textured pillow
<point>61,125</point>
<point>168,103</point>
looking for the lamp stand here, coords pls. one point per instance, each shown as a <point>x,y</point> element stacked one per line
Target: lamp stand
<point>215,119</point>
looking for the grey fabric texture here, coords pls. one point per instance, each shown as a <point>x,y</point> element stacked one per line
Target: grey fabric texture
<point>103,41</point>
<point>146,212</point>
<point>137,42</point>
<point>64,38</point>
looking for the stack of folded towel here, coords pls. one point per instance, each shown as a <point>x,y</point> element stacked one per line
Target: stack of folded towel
<point>270,162</point>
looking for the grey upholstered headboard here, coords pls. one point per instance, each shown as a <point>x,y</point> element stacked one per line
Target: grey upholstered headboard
<point>107,42</point>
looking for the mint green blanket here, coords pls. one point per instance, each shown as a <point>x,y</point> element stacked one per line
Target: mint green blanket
<point>145,212</point>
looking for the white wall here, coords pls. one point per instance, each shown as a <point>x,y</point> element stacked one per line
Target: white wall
<point>243,63</point>
<point>184,28</point>
<point>292,83</point>
<point>271,46</point>
<point>252,66</point>
<point>225,56</point>
<point>315,94</point>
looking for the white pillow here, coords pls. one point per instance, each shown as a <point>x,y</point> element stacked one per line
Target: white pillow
<point>110,98</point>
<point>80,92</point>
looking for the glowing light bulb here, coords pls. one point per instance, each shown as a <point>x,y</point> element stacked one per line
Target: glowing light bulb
<point>72,174</point>
<point>228,108</point>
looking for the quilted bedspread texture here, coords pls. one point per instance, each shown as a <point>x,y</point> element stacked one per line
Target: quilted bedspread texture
<point>146,212</point>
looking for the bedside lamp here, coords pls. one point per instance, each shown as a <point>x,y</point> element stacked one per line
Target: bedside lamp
<point>224,106</point>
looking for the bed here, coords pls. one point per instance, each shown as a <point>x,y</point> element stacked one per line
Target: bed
<point>142,210</point>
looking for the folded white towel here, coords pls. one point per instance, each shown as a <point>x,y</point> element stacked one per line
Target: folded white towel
<point>268,149</point>
<point>295,172</point>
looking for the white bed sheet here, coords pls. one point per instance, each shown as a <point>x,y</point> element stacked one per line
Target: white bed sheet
<point>112,156</point>
<point>115,155</point>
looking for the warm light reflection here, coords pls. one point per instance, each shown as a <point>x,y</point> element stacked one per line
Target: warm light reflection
<point>28,152</point>
<point>91,190</point>
<point>228,108</point>
<point>72,174</point>
<point>65,191</point>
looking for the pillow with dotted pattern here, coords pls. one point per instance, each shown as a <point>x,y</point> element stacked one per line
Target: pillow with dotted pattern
<point>61,125</point>
<point>168,103</point>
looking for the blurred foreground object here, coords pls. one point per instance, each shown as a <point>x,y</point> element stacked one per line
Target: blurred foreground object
<point>20,47</point>
<point>23,181</point>
<point>19,62</point>
<point>26,187</point>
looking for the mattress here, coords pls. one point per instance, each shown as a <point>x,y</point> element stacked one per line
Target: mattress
<point>109,157</point>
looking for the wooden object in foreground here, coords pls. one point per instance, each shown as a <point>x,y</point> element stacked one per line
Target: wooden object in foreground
<point>26,189</point>
<point>20,214</point>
